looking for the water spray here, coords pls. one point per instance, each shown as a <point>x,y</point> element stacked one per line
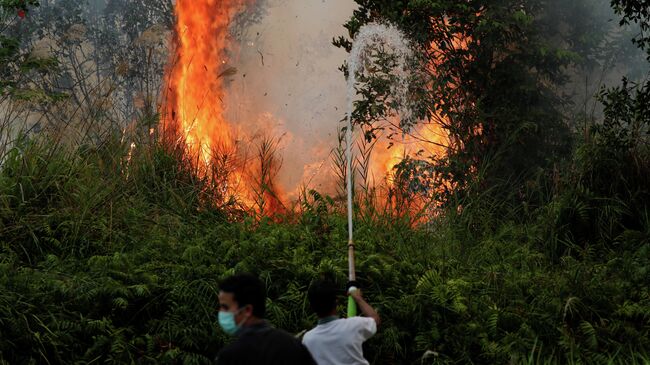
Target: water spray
<point>373,33</point>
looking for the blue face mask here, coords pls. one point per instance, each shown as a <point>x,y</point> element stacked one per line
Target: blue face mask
<point>228,323</point>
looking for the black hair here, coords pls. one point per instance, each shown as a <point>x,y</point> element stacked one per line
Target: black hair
<point>246,289</point>
<point>322,297</point>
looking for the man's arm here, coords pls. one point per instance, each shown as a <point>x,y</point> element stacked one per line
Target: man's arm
<point>365,308</point>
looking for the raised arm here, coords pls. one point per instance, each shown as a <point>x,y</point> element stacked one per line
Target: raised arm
<point>364,307</point>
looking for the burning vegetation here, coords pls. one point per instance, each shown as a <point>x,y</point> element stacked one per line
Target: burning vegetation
<point>245,167</point>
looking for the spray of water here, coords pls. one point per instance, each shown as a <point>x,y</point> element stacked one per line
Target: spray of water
<point>393,39</point>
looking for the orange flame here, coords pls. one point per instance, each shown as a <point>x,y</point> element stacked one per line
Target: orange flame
<point>194,110</point>
<point>425,141</point>
<point>195,78</point>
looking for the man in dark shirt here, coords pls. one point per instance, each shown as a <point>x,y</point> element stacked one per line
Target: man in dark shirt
<point>242,304</point>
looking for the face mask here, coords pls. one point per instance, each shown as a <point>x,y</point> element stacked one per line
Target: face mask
<point>228,323</point>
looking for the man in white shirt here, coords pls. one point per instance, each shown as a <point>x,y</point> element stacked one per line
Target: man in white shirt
<point>338,341</point>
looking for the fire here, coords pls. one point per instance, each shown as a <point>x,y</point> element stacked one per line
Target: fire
<point>194,111</point>
<point>196,88</point>
<point>426,141</point>
<point>240,164</point>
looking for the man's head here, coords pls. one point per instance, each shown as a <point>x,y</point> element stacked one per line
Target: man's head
<point>322,298</point>
<point>244,296</point>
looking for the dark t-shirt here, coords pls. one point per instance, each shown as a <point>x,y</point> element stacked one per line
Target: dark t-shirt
<point>261,344</point>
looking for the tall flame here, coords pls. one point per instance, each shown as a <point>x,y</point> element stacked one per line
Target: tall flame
<point>195,112</point>
<point>195,100</point>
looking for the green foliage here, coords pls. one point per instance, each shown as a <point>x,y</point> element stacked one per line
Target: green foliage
<point>636,11</point>
<point>104,259</point>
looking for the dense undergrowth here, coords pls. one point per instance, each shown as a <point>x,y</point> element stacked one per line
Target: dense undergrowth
<point>112,260</point>
<point>110,254</point>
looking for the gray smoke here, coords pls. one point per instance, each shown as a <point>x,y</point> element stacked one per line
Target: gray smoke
<point>605,53</point>
<point>288,84</point>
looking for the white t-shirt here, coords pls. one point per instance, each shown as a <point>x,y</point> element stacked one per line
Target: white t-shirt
<point>339,342</point>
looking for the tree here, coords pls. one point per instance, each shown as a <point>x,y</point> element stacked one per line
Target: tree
<point>636,11</point>
<point>626,124</point>
<point>110,63</point>
<point>11,60</point>
<point>15,67</point>
<point>490,79</point>
<point>622,141</point>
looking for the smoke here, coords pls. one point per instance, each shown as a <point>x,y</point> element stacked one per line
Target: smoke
<point>603,50</point>
<point>288,85</point>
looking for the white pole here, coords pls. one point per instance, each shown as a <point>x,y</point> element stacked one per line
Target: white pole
<point>348,142</point>
<point>367,34</point>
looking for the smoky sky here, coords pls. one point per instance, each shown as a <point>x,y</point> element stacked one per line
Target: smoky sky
<point>288,84</point>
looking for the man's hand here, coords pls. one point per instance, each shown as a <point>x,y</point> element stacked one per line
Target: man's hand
<point>365,308</point>
<point>355,293</point>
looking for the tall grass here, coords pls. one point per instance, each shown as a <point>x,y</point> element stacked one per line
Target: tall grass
<point>112,253</point>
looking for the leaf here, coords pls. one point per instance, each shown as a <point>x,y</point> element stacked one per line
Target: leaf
<point>590,333</point>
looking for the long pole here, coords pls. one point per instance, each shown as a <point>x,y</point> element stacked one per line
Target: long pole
<point>367,34</point>
<point>352,307</point>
